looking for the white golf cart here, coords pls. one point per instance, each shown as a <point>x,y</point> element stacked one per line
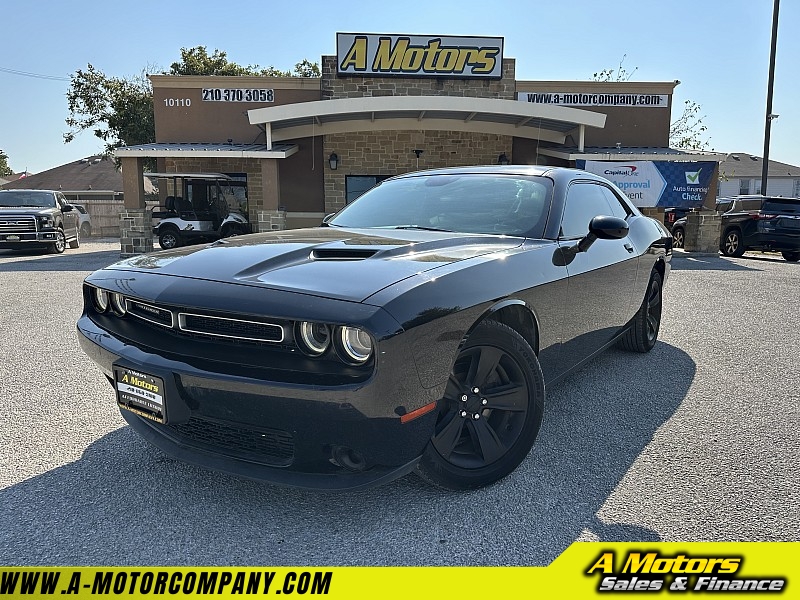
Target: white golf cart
<point>201,207</point>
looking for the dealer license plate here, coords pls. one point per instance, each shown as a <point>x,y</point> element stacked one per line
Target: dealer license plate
<point>12,238</point>
<point>140,393</point>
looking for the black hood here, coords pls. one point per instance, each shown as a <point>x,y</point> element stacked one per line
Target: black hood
<point>346,264</point>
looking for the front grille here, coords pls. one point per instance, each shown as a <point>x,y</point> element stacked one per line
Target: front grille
<point>20,224</point>
<point>225,327</point>
<point>150,313</point>
<point>266,446</point>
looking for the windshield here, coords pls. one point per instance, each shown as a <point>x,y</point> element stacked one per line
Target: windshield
<point>19,198</point>
<point>465,203</point>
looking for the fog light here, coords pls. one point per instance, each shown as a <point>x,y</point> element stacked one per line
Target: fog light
<point>356,344</point>
<point>100,298</point>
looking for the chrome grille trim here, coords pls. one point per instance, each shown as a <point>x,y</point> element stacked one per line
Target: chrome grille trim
<point>183,327</point>
<point>129,302</point>
<point>20,224</point>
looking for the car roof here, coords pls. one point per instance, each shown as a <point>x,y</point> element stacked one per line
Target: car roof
<point>529,170</point>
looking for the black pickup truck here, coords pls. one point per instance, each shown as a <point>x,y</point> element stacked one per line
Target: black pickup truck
<point>37,218</point>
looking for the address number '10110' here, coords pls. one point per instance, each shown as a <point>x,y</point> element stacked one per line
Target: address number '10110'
<point>237,95</point>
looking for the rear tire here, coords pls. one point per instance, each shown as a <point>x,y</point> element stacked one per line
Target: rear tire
<point>643,333</point>
<point>732,243</point>
<point>791,256</point>
<point>482,439</point>
<point>76,243</point>
<point>86,230</point>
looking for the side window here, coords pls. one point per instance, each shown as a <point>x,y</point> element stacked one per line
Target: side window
<point>615,205</point>
<point>585,201</point>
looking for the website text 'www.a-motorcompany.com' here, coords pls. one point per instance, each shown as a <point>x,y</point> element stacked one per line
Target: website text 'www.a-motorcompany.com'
<point>155,582</point>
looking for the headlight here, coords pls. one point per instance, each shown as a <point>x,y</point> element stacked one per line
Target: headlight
<point>118,304</point>
<point>100,298</point>
<point>315,338</point>
<point>355,343</point>
<point>45,221</point>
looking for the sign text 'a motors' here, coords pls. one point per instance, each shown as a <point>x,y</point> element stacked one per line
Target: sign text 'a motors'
<point>416,55</point>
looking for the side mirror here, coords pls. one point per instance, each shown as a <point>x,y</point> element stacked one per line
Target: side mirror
<point>67,208</point>
<point>327,217</point>
<point>603,228</point>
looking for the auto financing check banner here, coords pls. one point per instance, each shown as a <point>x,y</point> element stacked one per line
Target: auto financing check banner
<point>583,570</point>
<point>661,183</point>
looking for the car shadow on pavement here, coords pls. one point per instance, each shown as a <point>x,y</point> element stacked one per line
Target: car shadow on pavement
<point>707,262</point>
<point>125,502</point>
<point>22,260</point>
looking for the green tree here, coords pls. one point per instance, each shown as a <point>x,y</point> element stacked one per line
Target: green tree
<point>119,110</point>
<point>687,132</point>
<point>5,170</point>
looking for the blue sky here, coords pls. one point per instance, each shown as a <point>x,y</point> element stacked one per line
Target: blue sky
<point>719,50</point>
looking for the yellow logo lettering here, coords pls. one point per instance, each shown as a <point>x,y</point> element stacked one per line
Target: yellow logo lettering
<point>356,56</point>
<point>605,562</point>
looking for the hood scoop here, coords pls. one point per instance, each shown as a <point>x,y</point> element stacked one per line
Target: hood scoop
<point>341,254</point>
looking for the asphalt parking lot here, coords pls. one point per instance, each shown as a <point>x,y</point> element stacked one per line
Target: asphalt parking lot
<point>696,441</point>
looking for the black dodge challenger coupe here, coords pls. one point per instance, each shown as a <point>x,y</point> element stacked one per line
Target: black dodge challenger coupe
<point>415,330</point>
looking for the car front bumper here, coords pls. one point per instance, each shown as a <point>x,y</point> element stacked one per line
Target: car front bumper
<point>309,436</point>
<point>32,237</point>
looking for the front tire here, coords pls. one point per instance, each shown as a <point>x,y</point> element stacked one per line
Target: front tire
<point>60,244</point>
<point>678,237</point>
<point>791,256</point>
<point>732,243</point>
<point>643,333</point>
<point>490,413</point>
<point>169,239</point>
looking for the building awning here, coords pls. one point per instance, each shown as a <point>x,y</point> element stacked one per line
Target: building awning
<point>187,150</point>
<point>444,113</point>
<point>631,153</point>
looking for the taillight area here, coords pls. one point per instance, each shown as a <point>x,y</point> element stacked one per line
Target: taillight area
<point>762,216</point>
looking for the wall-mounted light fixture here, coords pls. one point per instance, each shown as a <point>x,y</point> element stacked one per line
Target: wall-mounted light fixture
<point>333,161</point>
<point>503,159</point>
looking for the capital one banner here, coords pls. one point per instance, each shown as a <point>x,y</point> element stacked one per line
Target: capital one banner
<point>662,183</point>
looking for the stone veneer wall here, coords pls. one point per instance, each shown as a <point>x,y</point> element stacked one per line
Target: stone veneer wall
<point>251,166</point>
<point>392,152</point>
<point>136,232</point>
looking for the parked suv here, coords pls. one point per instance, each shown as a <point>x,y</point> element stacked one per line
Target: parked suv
<point>33,218</point>
<point>678,226</point>
<point>84,220</point>
<point>762,223</point>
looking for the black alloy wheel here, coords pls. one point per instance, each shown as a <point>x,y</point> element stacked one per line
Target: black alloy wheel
<point>677,237</point>
<point>643,332</point>
<point>791,256</point>
<point>732,243</point>
<point>60,244</point>
<point>169,239</point>
<point>490,413</point>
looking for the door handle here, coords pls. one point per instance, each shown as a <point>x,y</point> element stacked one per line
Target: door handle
<point>628,247</point>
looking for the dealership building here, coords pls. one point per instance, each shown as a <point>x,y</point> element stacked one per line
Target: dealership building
<point>389,104</point>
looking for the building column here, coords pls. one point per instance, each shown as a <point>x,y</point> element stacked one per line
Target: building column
<point>270,214</point>
<point>702,233</point>
<point>135,221</point>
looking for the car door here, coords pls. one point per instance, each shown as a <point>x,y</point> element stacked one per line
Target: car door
<point>70,218</point>
<point>601,280</point>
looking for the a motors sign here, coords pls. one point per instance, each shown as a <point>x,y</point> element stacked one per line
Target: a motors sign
<point>382,55</point>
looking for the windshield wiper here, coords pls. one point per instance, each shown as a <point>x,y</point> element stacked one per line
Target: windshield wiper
<point>422,227</point>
